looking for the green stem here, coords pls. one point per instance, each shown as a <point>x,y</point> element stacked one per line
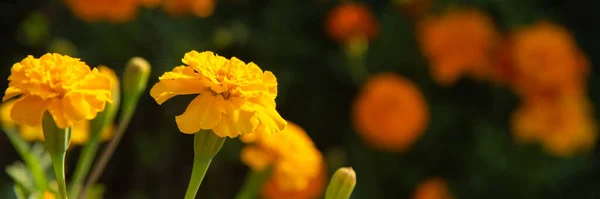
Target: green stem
<point>83,165</point>
<point>254,182</point>
<point>108,151</point>
<point>34,165</point>
<point>58,162</point>
<point>198,171</point>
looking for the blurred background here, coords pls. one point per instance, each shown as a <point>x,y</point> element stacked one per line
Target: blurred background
<point>425,99</point>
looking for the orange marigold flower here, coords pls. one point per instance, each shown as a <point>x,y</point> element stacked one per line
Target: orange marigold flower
<point>351,20</point>
<point>64,86</point>
<point>117,11</point>
<point>564,125</point>
<point>295,161</point>
<point>234,97</point>
<point>200,8</point>
<point>271,189</point>
<point>460,42</point>
<point>433,188</point>
<point>79,133</point>
<point>546,59</point>
<point>390,113</point>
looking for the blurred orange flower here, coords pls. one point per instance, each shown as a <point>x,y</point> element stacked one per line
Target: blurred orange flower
<point>390,113</point>
<point>459,42</point>
<point>117,11</point>
<point>200,8</point>
<point>546,59</point>
<point>350,20</point>
<point>564,125</point>
<point>433,188</point>
<point>314,189</point>
<point>298,166</point>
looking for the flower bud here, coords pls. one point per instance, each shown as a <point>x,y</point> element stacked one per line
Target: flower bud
<point>207,144</point>
<point>342,184</point>
<point>135,80</point>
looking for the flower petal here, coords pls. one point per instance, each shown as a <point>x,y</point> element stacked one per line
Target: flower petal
<point>166,89</point>
<point>10,93</point>
<point>29,110</point>
<point>203,113</point>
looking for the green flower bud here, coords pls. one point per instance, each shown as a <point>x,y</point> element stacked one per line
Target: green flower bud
<point>135,79</point>
<point>207,144</point>
<point>342,184</point>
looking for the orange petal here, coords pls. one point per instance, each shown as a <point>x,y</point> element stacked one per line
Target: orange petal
<point>10,93</point>
<point>166,89</point>
<point>202,113</point>
<point>29,110</point>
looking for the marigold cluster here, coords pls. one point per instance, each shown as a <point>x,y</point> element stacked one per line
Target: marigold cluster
<point>549,73</point>
<point>459,42</point>
<point>64,86</point>
<point>351,20</point>
<point>298,169</point>
<point>390,113</point>
<point>234,98</point>
<point>433,188</point>
<point>120,11</point>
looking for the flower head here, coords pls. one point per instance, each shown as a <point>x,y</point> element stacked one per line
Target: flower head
<point>433,188</point>
<point>564,125</point>
<point>390,113</point>
<point>350,20</point>
<point>546,59</point>
<point>291,154</point>
<point>64,86</point>
<point>234,97</point>
<point>457,43</point>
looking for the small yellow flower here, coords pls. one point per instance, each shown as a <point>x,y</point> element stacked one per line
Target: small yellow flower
<point>64,86</point>
<point>234,97</point>
<point>80,132</point>
<point>291,154</point>
<point>49,195</point>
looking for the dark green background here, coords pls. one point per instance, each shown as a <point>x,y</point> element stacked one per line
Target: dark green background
<point>468,141</point>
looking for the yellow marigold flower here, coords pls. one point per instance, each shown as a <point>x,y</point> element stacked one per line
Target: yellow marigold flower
<point>80,131</point>
<point>49,195</point>
<point>460,42</point>
<point>390,113</point>
<point>64,86</point>
<point>433,188</point>
<point>200,8</point>
<point>234,97</point>
<point>295,161</point>
<point>546,59</point>
<point>350,20</point>
<point>118,11</point>
<point>564,125</point>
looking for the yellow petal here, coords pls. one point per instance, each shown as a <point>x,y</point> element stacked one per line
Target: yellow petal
<point>202,113</point>
<point>29,110</point>
<point>10,93</point>
<point>166,89</point>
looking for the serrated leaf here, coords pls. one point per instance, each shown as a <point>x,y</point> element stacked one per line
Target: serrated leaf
<point>21,176</point>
